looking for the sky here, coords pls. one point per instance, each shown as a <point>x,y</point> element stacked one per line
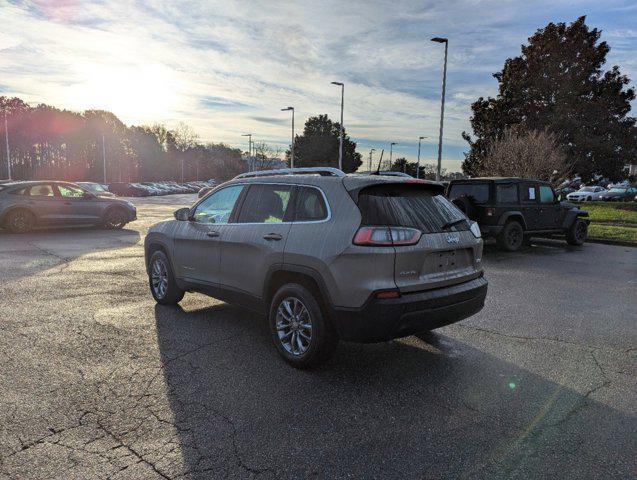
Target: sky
<point>226,68</point>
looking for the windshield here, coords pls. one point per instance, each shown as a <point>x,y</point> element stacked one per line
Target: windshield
<point>409,205</point>
<point>587,189</point>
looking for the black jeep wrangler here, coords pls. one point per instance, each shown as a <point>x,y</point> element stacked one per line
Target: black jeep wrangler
<point>514,209</point>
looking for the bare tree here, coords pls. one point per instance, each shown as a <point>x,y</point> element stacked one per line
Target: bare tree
<point>265,157</point>
<point>528,154</point>
<point>185,137</point>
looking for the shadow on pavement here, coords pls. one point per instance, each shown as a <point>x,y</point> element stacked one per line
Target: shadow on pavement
<point>32,253</point>
<point>429,407</point>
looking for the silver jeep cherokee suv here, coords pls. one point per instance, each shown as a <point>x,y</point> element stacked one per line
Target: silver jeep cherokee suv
<point>325,255</point>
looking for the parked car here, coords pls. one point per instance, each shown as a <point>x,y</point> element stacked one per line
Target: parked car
<point>325,255</point>
<point>619,194</point>
<point>563,192</point>
<point>96,189</point>
<point>513,210</point>
<point>127,190</point>
<point>26,205</point>
<point>586,194</point>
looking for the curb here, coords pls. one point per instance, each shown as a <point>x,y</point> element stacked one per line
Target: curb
<point>605,241</point>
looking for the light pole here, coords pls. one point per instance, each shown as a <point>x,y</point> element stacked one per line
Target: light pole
<point>292,147</point>
<point>249,135</point>
<point>418,162</point>
<point>442,104</point>
<point>104,159</point>
<point>6,139</point>
<point>391,153</point>
<point>340,144</point>
<point>370,159</point>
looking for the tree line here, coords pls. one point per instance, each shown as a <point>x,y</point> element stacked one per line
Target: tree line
<point>46,142</point>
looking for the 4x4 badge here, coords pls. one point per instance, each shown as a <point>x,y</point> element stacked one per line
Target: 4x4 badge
<point>452,239</point>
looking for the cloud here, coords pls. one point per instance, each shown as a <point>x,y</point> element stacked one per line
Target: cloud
<point>227,68</point>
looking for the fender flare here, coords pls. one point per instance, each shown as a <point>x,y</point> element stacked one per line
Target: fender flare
<point>154,239</point>
<point>515,213</point>
<point>301,269</point>
<point>570,217</point>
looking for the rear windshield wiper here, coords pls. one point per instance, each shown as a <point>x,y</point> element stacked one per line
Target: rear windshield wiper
<point>453,222</point>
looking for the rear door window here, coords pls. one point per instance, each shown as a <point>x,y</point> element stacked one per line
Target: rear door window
<point>41,191</point>
<point>266,203</point>
<point>409,205</point>
<point>476,192</point>
<point>507,193</point>
<point>529,193</point>
<point>310,205</point>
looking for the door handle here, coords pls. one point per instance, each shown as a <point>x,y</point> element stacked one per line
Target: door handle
<point>212,234</point>
<point>272,236</point>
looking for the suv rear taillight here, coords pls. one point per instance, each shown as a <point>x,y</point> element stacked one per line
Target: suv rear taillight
<point>386,236</point>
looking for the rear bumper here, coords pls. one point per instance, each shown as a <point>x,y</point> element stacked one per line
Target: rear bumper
<point>381,320</point>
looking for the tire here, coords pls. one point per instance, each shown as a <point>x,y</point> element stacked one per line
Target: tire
<point>300,330</point>
<point>511,237</point>
<point>577,233</point>
<point>115,219</point>
<point>161,280</point>
<point>589,199</point>
<point>19,221</point>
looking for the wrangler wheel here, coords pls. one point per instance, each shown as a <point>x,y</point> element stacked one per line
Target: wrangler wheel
<point>578,233</point>
<point>511,237</point>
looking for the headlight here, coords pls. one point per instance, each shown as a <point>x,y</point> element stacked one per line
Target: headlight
<point>475,229</point>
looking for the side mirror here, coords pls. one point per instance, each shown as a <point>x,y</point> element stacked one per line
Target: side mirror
<point>183,214</point>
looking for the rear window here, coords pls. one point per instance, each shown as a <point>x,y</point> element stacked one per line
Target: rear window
<point>409,205</point>
<point>476,192</point>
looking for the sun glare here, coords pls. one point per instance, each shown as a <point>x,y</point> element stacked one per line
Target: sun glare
<point>135,94</point>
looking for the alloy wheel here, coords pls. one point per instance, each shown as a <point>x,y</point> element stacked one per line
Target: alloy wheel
<point>294,326</point>
<point>115,220</point>
<point>21,222</point>
<point>159,278</point>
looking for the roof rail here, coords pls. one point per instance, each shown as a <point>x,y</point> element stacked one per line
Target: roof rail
<point>323,171</point>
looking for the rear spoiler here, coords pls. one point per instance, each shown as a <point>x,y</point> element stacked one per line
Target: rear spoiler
<point>355,187</point>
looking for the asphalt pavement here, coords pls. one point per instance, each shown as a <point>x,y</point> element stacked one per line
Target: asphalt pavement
<point>96,381</point>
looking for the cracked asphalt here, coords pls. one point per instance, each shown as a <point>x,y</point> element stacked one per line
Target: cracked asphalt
<point>96,381</point>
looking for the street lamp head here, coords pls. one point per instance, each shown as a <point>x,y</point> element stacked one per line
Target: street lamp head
<point>439,40</point>
<point>287,108</point>
<point>246,134</point>
<point>420,138</point>
<point>393,143</point>
<point>337,83</point>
